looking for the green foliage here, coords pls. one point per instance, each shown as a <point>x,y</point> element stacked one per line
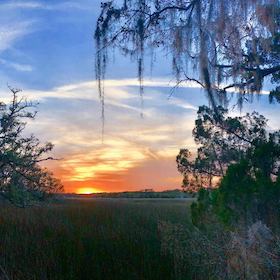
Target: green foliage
<point>249,192</point>
<point>222,140</point>
<point>200,208</point>
<point>18,195</point>
<point>250,189</point>
<point>274,95</point>
<point>242,158</point>
<point>22,179</point>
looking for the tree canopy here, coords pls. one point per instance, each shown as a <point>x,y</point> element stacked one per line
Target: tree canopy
<point>240,157</point>
<point>22,179</point>
<point>249,192</point>
<point>219,44</point>
<point>222,140</point>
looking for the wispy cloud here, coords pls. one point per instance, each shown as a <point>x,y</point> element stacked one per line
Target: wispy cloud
<point>17,66</point>
<point>115,90</point>
<point>20,5</point>
<point>72,122</point>
<point>136,151</point>
<point>11,32</point>
<point>66,5</point>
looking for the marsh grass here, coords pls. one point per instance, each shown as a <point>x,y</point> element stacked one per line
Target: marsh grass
<point>88,239</point>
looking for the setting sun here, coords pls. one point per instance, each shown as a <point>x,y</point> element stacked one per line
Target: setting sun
<point>87,191</point>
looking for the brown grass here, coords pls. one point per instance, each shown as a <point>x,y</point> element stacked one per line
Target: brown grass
<point>89,239</point>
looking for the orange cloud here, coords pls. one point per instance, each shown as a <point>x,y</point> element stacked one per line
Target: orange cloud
<point>136,152</point>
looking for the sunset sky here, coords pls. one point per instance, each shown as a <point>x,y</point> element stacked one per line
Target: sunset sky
<point>47,49</point>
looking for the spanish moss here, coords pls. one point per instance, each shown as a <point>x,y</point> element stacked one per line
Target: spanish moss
<point>224,46</point>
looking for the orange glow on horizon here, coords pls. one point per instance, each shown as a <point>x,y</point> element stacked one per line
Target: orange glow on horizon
<point>131,179</point>
<point>87,190</point>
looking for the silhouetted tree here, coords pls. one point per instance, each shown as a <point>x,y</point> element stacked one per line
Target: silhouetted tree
<point>240,157</point>
<point>221,140</point>
<point>218,44</point>
<point>249,191</point>
<point>22,179</point>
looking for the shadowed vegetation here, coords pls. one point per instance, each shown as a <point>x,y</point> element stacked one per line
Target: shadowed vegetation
<point>88,240</point>
<point>22,180</point>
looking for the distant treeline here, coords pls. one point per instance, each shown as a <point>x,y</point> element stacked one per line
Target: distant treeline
<point>136,194</point>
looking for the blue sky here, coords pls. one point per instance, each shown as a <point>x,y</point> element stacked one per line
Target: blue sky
<point>47,49</point>
<point>50,39</point>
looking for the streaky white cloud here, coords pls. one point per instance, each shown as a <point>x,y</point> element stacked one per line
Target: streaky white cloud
<point>66,5</point>
<point>17,66</point>
<point>11,32</point>
<point>129,141</point>
<point>153,83</point>
<point>183,104</point>
<point>115,90</point>
<point>71,120</point>
<point>21,5</point>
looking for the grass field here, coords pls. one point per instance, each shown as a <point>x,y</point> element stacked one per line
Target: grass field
<point>88,239</point>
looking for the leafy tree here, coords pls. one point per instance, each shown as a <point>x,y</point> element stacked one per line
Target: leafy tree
<point>219,44</point>
<point>244,158</point>
<point>22,179</point>
<point>222,140</point>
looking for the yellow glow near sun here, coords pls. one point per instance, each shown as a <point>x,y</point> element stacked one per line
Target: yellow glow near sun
<point>87,191</point>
